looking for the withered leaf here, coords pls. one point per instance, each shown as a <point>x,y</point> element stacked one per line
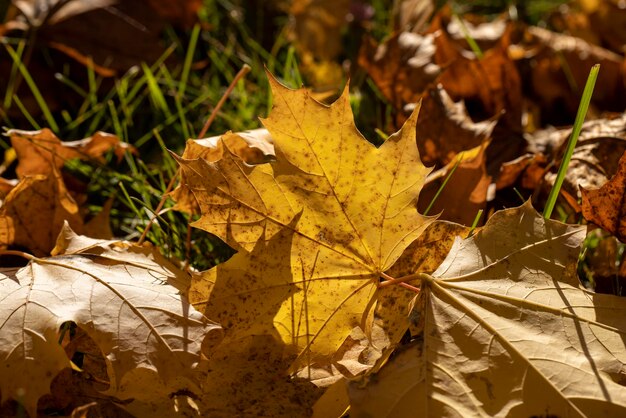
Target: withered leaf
<point>40,152</point>
<point>508,332</point>
<point>137,321</point>
<point>605,206</point>
<point>34,212</point>
<point>466,191</point>
<point>253,147</point>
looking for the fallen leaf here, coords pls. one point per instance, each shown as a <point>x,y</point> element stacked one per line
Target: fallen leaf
<point>136,321</point>
<point>394,391</point>
<point>40,152</point>
<point>525,167</point>
<point>100,225</point>
<point>557,67</point>
<point>465,193</point>
<point>442,119</point>
<point>248,378</point>
<point>347,209</point>
<point>316,32</point>
<point>489,86</point>
<point>600,22</point>
<point>509,332</point>
<point>605,206</point>
<point>595,159</point>
<point>253,147</point>
<point>34,212</point>
<point>401,67</point>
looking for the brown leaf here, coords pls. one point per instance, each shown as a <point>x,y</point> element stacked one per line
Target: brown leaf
<point>466,191</point>
<point>426,253</point>
<point>402,67</point>
<point>524,167</point>
<point>40,152</point>
<point>557,67</point>
<point>137,322</point>
<point>34,212</point>
<point>599,22</point>
<point>479,359</point>
<point>109,36</point>
<point>595,159</point>
<point>100,225</point>
<point>492,84</point>
<point>445,129</point>
<point>412,15</point>
<point>605,206</point>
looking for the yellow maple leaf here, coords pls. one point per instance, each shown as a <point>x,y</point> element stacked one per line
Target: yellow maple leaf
<point>322,222</point>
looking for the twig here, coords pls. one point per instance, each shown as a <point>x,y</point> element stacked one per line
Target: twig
<point>244,70</point>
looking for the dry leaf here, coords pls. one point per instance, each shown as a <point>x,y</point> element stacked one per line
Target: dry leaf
<point>595,159</point>
<point>557,67</point>
<point>605,206</point>
<point>34,212</point>
<point>394,391</point>
<point>253,147</point>
<point>492,84</point>
<point>509,332</point>
<point>346,212</point>
<point>440,120</point>
<point>599,22</point>
<point>248,378</point>
<point>136,321</point>
<point>412,15</point>
<point>40,152</point>
<point>466,191</point>
<point>402,67</point>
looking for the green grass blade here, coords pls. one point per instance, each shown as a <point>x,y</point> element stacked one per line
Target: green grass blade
<point>571,144</point>
<point>26,114</point>
<point>184,77</point>
<point>155,91</point>
<point>475,223</point>
<point>14,68</point>
<point>443,185</point>
<point>34,89</point>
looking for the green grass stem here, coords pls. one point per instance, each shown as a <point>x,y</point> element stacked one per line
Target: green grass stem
<point>571,144</point>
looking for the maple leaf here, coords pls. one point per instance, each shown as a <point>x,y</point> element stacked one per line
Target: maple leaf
<point>347,207</point>
<point>253,147</point>
<point>605,206</point>
<point>466,192</point>
<point>40,152</point>
<point>124,305</point>
<point>33,213</point>
<point>509,332</point>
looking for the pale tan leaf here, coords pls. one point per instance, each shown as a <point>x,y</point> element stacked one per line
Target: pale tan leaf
<point>137,322</point>
<point>509,331</point>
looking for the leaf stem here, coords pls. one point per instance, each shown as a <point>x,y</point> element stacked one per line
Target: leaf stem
<point>389,281</point>
<point>22,254</point>
<point>571,144</point>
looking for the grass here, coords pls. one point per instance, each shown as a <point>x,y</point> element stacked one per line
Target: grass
<point>156,107</point>
<point>571,143</point>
